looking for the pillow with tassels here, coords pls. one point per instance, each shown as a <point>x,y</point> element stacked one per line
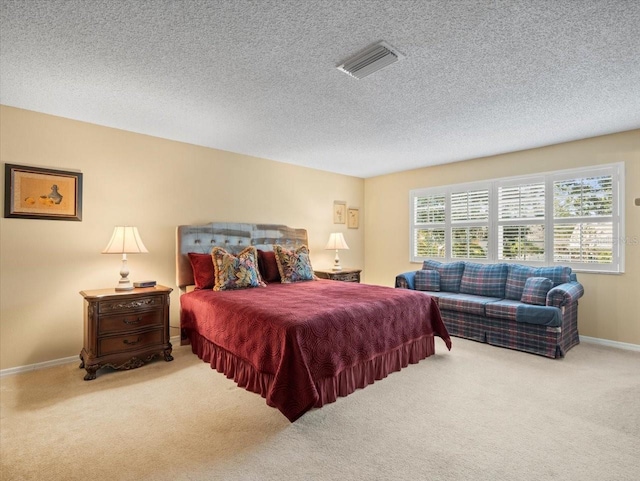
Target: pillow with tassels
<point>294,265</point>
<point>235,271</point>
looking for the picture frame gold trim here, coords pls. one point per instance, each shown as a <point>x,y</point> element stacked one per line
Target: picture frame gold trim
<point>339,212</point>
<point>353,218</point>
<point>39,193</point>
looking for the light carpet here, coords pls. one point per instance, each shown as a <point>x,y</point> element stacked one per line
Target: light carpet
<point>475,413</point>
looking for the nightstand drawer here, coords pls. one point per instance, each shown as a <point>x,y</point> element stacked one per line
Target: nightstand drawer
<point>115,344</point>
<point>350,277</point>
<point>126,305</point>
<point>129,321</point>
<point>345,275</point>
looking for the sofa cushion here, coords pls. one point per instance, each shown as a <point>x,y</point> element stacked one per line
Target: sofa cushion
<point>557,274</point>
<point>469,303</point>
<point>535,290</point>
<point>503,309</point>
<point>427,280</point>
<point>518,274</point>
<point>450,274</point>
<point>484,279</point>
<point>540,315</point>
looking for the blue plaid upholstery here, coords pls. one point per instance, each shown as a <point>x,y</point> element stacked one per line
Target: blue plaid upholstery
<point>406,280</point>
<point>503,309</point>
<point>565,294</point>
<point>542,315</point>
<point>484,279</point>
<point>450,274</point>
<point>465,303</point>
<point>535,290</point>
<point>546,341</point>
<point>549,329</point>
<point>427,280</point>
<point>518,275</point>
<point>558,274</point>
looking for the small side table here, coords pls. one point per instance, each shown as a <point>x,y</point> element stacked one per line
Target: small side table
<point>125,329</point>
<point>345,275</point>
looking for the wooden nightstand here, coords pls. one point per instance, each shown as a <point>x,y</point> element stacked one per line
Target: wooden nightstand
<point>345,275</point>
<point>125,329</point>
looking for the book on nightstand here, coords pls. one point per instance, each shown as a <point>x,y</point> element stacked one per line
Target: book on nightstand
<point>144,283</point>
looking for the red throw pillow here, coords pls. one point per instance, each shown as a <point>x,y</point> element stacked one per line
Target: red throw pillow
<point>268,266</point>
<point>203,272</point>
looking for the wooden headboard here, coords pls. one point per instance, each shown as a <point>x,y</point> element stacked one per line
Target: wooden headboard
<point>233,238</point>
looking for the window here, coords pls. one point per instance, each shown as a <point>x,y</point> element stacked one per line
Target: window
<point>572,217</point>
<point>470,224</point>
<point>584,229</point>
<point>429,214</point>
<point>521,209</point>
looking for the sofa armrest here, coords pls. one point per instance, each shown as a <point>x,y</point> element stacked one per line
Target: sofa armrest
<point>406,280</point>
<point>565,294</point>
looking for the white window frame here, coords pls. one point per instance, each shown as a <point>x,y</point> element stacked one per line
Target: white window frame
<point>617,172</point>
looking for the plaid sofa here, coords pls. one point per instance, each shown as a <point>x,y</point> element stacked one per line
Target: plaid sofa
<point>508,305</point>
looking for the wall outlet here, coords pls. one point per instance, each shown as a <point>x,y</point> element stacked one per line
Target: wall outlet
<point>638,201</point>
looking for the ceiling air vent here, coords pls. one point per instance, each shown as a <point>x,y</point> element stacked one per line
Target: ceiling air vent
<point>371,60</point>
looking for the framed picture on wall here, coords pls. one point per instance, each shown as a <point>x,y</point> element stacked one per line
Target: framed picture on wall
<point>353,218</point>
<point>37,193</point>
<point>339,212</point>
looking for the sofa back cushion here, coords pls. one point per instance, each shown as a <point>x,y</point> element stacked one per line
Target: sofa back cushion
<point>535,290</point>
<point>484,279</point>
<point>518,275</point>
<point>427,280</point>
<point>450,274</point>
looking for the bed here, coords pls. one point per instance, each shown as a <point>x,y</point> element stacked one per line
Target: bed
<point>303,344</point>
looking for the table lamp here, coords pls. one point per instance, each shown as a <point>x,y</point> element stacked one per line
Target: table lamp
<point>336,241</point>
<point>125,240</point>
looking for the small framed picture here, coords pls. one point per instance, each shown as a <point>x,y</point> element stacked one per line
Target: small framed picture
<point>339,212</point>
<point>37,193</point>
<point>353,218</point>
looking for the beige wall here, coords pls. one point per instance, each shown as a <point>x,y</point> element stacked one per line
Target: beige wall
<point>610,308</point>
<point>152,183</point>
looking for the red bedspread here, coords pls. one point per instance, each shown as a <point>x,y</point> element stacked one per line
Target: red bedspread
<point>301,345</point>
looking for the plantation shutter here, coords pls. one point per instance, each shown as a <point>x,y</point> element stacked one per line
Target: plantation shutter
<point>521,214</point>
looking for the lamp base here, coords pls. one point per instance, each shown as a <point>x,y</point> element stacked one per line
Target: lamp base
<point>124,284</point>
<point>336,263</point>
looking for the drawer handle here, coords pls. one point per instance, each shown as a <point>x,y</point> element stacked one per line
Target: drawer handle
<point>131,343</point>
<point>136,321</point>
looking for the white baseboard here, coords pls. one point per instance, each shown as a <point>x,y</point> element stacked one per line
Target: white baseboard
<point>56,362</point>
<point>39,365</point>
<point>176,342</point>
<point>607,342</point>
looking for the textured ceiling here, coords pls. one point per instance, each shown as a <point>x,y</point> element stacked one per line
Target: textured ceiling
<point>259,77</point>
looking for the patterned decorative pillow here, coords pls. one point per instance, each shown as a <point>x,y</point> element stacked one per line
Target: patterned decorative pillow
<point>518,275</point>
<point>268,266</point>
<point>484,279</point>
<point>535,290</point>
<point>557,274</point>
<point>203,272</point>
<point>450,274</point>
<point>235,272</point>
<point>427,280</point>
<point>294,265</point>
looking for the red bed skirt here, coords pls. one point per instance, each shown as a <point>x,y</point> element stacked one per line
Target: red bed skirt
<point>328,390</point>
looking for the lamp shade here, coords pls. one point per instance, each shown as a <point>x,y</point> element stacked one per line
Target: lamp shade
<point>336,241</point>
<point>125,240</point>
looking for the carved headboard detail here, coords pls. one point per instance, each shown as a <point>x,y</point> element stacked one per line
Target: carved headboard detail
<point>233,237</point>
